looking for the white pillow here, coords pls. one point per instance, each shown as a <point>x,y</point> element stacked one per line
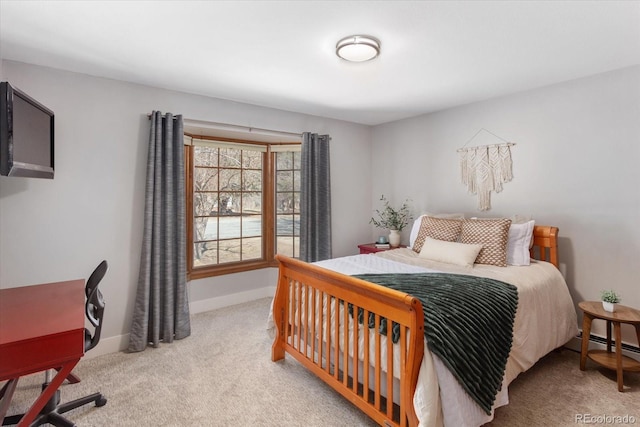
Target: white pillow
<point>415,229</point>
<point>521,219</point>
<point>518,244</point>
<point>450,252</point>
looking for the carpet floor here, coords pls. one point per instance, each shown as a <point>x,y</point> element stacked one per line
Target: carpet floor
<point>222,375</point>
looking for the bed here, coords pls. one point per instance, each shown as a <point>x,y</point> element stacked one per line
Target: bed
<point>369,343</point>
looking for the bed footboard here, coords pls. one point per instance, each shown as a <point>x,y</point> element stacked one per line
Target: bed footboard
<point>316,314</point>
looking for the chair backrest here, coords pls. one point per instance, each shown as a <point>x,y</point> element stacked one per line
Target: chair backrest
<point>94,306</point>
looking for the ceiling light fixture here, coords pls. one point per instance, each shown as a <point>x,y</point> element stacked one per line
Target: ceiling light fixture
<point>358,48</point>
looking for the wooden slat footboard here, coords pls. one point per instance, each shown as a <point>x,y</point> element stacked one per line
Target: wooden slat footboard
<point>314,311</point>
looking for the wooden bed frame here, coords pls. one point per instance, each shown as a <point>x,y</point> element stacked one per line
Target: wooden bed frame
<point>302,294</point>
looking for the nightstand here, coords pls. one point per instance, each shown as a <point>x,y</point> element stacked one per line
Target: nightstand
<point>616,361</point>
<point>370,248</point>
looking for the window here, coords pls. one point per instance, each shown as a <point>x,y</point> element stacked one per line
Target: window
<point>243,204</point>
<point>288,203</point>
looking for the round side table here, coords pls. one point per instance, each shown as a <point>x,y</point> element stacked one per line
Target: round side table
<point>611,360</point>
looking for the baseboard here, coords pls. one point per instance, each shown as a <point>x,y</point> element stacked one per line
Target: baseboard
<point>597,342</point>
<point>109,345</point>
<point>121,342</point>
<point>229,300</point>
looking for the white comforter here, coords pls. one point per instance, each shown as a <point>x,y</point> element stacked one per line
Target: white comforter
<point>545,320</point>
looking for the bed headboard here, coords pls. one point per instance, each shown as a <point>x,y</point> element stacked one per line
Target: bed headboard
<point>545,244</point>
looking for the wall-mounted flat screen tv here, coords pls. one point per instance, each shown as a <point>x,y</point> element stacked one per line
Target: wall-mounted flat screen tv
<point>26,135</point>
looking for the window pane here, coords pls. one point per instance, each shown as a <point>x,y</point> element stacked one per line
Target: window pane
<point>284,181</point>
<point>229,250</point>
<point>252,226</point>
<point>230,179</point>
<point>205,156</point>
<point>285,245</point>
<point>205,179</point>
<point>229,227</point>
<point>230,158</point>
<point>296,203</point>
<point>296,225</point>
<point>229,204</point>
<point>205,204</point>
<point>285,203</point>
<point>284,225</point>
<point>296,160</point>
<point>296,246</point>
<point>252,180</point>
<point>204,254</point>
<point>252,160</point>
<point>284,161</point>
<point>251,248</point>
<point>205,229</point>
<point>251,203</point>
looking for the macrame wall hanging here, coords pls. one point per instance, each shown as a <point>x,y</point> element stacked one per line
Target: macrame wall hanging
<point>485,168</point>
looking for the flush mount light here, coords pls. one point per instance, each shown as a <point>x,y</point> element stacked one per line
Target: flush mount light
<point>358,48</point>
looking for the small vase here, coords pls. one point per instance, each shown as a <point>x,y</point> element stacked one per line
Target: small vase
<point>394,238</point>
<point>609,306</point>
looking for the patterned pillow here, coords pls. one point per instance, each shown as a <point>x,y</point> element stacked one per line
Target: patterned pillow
<point>415,228</point>
<point>437,228</point>
<point>493,234</point>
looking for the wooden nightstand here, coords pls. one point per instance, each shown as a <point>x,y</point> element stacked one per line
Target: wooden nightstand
<point>616,361</point>
<point>370,248</point>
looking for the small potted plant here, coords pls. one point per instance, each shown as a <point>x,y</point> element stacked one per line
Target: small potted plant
<point>609,300</point>
<point>392,219</point>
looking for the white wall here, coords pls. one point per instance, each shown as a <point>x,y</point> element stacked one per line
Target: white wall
<point>52,230</point>
<point>575,166</point>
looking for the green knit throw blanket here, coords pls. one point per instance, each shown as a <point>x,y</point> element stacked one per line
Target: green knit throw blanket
<point>468,324</point>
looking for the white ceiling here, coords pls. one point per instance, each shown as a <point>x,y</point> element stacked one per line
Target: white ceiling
<point>281,54</point>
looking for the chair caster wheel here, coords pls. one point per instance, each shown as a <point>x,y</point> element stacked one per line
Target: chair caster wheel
<point>101,401</point>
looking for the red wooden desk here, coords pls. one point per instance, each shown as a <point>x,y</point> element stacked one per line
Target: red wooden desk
<point>41,327</point>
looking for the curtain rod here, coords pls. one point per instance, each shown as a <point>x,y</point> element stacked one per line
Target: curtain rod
<point>232,127</point>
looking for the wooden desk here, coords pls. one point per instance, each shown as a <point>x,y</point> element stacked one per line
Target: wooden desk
<point>611,360</point>
<point>41,327</point>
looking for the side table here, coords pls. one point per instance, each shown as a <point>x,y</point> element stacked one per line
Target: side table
<point>370,248</point>
<point>611,360</point>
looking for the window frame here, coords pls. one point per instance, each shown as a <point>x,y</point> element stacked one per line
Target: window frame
<point>269,192</point>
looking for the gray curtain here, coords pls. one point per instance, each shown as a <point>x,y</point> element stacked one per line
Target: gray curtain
<point>315,198</point>
<point>161,311</point>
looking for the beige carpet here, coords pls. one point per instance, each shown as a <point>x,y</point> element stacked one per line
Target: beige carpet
<point>223,375</point>
<point>555,392</point>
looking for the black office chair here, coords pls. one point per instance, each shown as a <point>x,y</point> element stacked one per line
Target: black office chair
<point>94,308</point>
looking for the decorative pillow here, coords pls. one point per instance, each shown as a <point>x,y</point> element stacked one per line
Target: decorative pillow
<point>415,229</point>
<point>449,252</point>
<point>439,229</point>
<point>520,236</point>
<point>492,234</point>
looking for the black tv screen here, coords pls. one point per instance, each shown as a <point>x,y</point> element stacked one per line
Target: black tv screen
<point>26,135</point>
